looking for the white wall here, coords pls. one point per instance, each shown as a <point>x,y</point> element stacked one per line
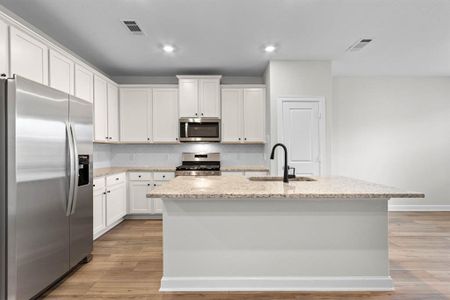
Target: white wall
<point>298,78</point>
<point>394,131</point>
<point>159,155</point>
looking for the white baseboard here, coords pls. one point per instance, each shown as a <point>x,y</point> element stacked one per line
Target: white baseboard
<point>393,207</point>
<point>316,284</point>
<point>143,217</point>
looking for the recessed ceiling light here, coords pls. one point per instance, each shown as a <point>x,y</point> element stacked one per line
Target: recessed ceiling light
<point>270,48</point>
<point>168,48</point>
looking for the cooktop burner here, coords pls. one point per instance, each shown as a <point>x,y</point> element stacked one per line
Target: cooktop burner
<point>199,164</point>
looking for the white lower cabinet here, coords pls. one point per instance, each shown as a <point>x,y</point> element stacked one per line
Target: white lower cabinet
<point>139,203</point>
<point>140,184</point>
<point>110,199</point>
<point>115,203</point>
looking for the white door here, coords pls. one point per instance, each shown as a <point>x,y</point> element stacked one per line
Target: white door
<point>165,115</point>
<point>61,72</point>
<point>4,49</point>
<point>84,83</point>
<point>188,97</point>
<point>232,118</point>
<point>157,203</point>
<point>134,117</point>
<point>29,57</point>
<point>209,98</point>
<point>301,135</point>
<point>99,209</point>
<point>139,203</point>
<point>113,113</point>
<point>254,115</point>
<point>100,109</point>
<point>115,203</point>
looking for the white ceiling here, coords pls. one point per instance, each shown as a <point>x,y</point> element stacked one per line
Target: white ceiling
<point>411,37</point>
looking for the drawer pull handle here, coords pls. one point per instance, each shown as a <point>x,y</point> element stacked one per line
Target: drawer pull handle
<point>117,178</point>
<point>109,192</point>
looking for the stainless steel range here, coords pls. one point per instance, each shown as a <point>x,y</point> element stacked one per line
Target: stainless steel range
<point>199,164</point>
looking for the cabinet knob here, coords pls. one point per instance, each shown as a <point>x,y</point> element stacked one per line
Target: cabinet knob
<point>154,184</point>
<point>148,184</point>
<point>148,139</point>
<point>139,176</point>
<point>196,114</point>
<point>93,185</point>
<point>176,139</point>
<point>164,176</point>
<point>104,193</point>
<point>202,114</point>
<point>117,178</point>
<point>245,139</point>
<point>3,75</point>
<point>239,138</point>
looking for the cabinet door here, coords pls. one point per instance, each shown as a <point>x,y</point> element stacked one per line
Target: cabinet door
<point>165,115</point>
<point>61,72</point>
<point>157,204</point>
<point>100,109</point>
<point>232,118</point>
<point>4,49</point>
<point>209,98</point>
<point>29,57</point>
<point>115,203</point>
<point>84,83</point>
<point>254,115</point>
<point>134,108</point>
<point>139,203</point>
<point>188,97</point>
<point>99,217</point>
<point>113,113</point>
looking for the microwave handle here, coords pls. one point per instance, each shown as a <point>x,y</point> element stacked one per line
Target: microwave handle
<point>186,129</point>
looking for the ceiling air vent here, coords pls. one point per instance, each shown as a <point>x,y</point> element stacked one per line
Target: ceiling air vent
<point>132,26</point>
<point>359,45</point>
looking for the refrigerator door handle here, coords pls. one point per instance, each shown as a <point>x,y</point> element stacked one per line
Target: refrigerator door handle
<point>71,169</point>
<point>76,170</point>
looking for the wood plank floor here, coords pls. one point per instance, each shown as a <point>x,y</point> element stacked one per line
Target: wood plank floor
<point>127,264</point>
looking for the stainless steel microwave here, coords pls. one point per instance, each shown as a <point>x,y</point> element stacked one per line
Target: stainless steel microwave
<point>199,130</point>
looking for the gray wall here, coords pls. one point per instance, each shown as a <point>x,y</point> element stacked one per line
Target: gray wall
<point>394,131</point>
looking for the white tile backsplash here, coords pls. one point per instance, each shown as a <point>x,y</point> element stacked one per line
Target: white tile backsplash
<point>170,155</point>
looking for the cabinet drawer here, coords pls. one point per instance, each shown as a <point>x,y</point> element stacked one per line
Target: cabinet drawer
<point>115,179</point>
<point>99,184</point>
<point>163,175</point>
<point>140,176</point>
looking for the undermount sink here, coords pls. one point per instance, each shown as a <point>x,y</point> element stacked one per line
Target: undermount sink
<point>273,178</point>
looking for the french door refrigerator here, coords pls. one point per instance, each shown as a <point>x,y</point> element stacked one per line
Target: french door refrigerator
<point>46,186</point>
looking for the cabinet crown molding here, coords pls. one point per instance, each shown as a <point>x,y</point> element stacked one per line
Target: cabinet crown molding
<point>199,76</point>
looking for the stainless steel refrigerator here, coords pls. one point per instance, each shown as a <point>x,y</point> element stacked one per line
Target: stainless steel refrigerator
<point>46,186</point>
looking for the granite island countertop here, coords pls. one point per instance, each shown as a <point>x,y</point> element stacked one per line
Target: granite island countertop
<point>207,187</point>
<point>98,172</point>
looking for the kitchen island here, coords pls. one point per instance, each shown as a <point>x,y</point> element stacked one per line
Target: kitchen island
<point>229,233</point>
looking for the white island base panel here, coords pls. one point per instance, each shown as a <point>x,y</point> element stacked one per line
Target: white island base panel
<point>271,244</point>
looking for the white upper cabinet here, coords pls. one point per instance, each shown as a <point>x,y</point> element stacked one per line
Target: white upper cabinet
<point>84,83</point>
<point>232,117</point>
<point>113,113</point>
<point>100,109</point>
<point>199,96</point>
<point>135,109</point>
<point>243,115</point>
<point>4,49</point>
<point>209,98</point>
<point>28,56</point>
<point>165,115</point>
<point>188,97</point>
<point>254,115</point>
<point>62,72</point>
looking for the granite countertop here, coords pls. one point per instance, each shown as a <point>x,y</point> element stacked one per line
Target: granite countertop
<point>114,170</point>
<point>197,187</point>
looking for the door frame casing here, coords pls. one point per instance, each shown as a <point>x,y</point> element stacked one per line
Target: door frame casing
<point>322,127</point>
